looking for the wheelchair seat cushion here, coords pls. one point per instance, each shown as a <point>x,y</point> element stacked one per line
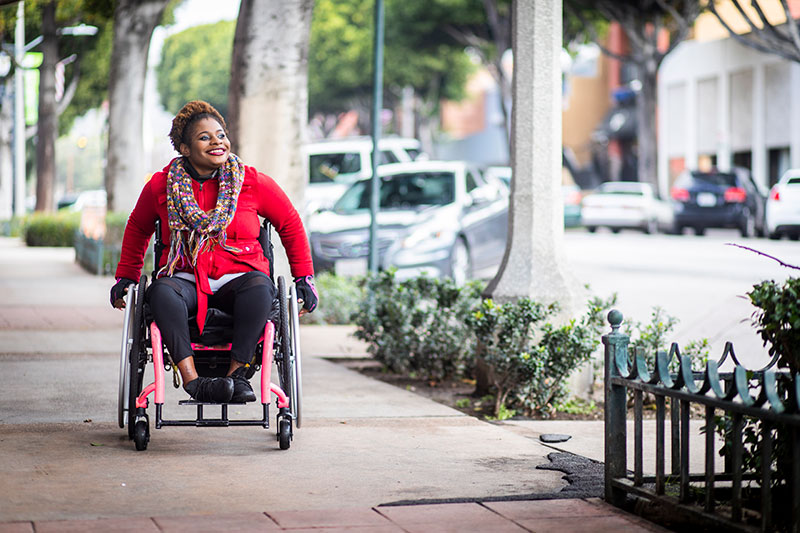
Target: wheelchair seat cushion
<point>218,328</point>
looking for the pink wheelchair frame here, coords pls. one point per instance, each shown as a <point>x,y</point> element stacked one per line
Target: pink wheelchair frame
<point>134,399</point>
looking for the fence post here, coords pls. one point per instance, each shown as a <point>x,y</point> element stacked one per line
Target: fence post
<point>616,344</point>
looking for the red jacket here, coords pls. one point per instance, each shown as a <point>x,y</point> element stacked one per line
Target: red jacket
<point>260,195</point>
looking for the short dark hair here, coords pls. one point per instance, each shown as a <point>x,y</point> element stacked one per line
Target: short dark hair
<point>189,114</point>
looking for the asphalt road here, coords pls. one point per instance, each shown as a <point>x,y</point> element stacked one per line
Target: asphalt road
<point>702,281</point>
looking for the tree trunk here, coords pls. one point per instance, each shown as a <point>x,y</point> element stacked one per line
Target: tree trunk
<point>134,22</point>
<point>268,96</point>
<point>646,129</point>
<point>534,264</point>
<point>48,118</point>
<point>6,153</point>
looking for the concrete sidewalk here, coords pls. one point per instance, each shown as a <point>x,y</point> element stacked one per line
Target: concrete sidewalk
<point>65,465</point>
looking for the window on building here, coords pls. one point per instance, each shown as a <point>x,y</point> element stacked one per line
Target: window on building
<point>779,162</point>
<point>743,159</point>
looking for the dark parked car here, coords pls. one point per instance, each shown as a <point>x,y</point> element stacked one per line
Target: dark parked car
<point>718,200</point>
<point>436,217</point>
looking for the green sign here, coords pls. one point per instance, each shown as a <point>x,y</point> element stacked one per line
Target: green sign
<point>31,62</point>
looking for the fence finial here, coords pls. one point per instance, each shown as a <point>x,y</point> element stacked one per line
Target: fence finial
<point>615,319</point>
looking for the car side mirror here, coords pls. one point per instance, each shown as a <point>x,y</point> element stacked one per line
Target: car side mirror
<point>482,195</point>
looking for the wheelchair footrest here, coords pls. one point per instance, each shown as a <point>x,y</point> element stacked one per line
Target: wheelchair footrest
<point>202,421</point>
<point>195,402</point>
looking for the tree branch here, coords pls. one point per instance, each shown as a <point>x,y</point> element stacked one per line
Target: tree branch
<point>756,41</point>
<point>787,265</point>
<point>593,34</point>
<point>791,24</point>
<point>766,25</point>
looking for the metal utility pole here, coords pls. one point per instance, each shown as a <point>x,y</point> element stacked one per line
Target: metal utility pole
<point>19,114</point>
<point>377,105</point>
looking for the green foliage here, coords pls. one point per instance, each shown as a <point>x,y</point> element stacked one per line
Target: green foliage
<point>196,64</point>
<point>418,52</point>
<point>13,227</point>
<point>93,52</point>
<point>777,319</point>
<point>577,406</point>
<point>652,336</point>
<point>417,325</point>
<point>340,299</point>
<point>115,227</point>
<point>51,229</point>
<point>529,357</point>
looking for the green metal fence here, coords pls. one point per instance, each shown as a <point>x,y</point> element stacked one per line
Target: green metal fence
<point>761,410</point>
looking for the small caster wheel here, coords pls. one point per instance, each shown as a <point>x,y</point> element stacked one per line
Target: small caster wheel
<point>285,433</point>
<point>141,435</point>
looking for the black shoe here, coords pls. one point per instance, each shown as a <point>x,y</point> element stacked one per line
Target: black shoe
<point>242,391</point>
<point>214,390</point>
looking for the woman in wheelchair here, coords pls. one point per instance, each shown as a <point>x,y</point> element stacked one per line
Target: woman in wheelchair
<point>209,203</point>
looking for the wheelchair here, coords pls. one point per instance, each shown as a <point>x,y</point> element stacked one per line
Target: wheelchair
<point>142,344</point>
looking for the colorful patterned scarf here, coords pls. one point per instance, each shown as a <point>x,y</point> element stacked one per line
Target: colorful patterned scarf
<point>192,230</point>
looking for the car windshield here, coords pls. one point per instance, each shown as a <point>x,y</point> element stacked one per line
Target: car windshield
<point>401,191</point>
<point>723,179</point>
<point>334,166</point>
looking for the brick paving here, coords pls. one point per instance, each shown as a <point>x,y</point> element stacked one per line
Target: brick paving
<point>539,516</point>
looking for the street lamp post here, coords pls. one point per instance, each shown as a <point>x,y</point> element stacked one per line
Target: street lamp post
<point>19,119</point>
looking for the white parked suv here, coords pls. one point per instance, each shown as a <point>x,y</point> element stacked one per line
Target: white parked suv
<point>783,206</point>
<point>335,164</point>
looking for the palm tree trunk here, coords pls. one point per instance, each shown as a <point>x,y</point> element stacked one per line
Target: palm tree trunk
<point>134,22</point>
<point>268,95</point>
<point>48,118</point>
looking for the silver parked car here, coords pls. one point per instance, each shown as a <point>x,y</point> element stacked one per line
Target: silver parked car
<point>440,218</point>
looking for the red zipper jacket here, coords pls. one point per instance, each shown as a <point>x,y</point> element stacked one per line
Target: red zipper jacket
<point>260,195</point>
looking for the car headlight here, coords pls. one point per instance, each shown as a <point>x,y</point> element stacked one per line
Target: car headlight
<point>429,236</point>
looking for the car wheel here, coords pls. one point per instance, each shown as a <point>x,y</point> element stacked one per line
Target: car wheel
<point>615,230</point>
<point>460,264</point>
<point>748,228</point>
<point>794,236</point>
<point>591,229</point>
<point>651,228</point>
<point>699,231</point>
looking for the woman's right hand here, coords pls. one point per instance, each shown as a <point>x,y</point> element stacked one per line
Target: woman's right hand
<point>118,292</point>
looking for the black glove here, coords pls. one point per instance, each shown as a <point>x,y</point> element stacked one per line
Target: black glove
<point>119,289</point>
<point>307,292</point>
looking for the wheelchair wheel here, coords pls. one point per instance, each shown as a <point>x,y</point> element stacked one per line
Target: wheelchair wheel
<point>295,367</point>
<point>284,433</point>
<point>141,430</point>
<point>137,355</point>
<point>127,341</point>
<point>284,343</point>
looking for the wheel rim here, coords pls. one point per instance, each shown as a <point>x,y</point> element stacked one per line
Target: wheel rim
<point>459,263</point>
<point>127,342</point>
<point>297,382</point>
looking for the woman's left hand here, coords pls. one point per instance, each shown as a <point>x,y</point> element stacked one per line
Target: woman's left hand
<point>306,294</point>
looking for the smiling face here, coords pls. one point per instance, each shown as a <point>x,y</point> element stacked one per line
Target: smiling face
<point>208,146</point>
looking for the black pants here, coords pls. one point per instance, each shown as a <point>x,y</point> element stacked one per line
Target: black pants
<point>248,298</point>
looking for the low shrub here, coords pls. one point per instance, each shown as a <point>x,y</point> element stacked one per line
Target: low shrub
<point>417,326</point>
<point>12,227</point>
<point>777,319</point>
<point>340,298</point>
<point>529,358</point>
<point>51,229</point>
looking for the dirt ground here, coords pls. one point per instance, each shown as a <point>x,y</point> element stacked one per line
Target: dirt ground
<point>459,394</point>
